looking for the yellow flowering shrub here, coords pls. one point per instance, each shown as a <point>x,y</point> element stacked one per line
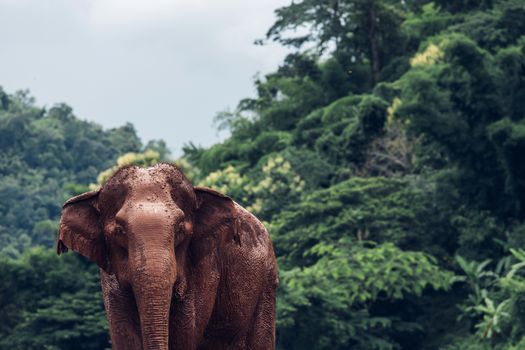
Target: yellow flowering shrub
<point>278,184</point>
<point>228,181</point>
<point>431,55</point>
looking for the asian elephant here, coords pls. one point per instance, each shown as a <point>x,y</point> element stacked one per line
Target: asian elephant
<point>181,267</point>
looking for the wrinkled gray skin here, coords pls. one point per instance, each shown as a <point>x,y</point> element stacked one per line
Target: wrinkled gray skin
<point>181,267</point>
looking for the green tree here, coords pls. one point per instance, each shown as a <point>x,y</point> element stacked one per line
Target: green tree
<point>364,30</point>
<point>49,302</point>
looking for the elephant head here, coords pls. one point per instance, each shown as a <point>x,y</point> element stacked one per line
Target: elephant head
<point>139,227</point>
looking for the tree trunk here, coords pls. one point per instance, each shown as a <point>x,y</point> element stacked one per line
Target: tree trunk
<point>375,65</point>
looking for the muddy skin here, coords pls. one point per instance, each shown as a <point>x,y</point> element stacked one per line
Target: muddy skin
<point>181,267</point>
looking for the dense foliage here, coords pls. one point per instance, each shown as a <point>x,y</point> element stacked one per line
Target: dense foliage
<point>44,156</point>
<point>51,302</point>
<point>385,156</point>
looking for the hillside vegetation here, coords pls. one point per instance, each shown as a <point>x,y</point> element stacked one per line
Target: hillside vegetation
<point>386,155</point>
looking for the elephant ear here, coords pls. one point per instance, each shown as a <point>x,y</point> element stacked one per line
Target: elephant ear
<point>215,214</point>
<point>80,229</point>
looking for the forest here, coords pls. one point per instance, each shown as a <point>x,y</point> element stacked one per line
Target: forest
<point>385,155</point>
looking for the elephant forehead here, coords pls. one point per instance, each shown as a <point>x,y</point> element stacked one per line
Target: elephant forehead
<point>150,192</point>
<point>143,178</point>
<point>136,182</point>
<point>156,185</point>
<point>150,211</point>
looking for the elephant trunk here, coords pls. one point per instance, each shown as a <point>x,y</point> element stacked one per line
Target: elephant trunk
<point>153,291</point>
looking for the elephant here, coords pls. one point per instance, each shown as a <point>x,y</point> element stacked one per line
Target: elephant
<point>181,267</point>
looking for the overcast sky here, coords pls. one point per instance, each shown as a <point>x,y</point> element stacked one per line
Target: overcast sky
<point>167,66</point>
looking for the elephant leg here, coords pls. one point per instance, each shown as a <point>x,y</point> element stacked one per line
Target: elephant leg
<point>121,311</point>
<point>182,325</point>
<point>258,332</point>
<point>261,333</point>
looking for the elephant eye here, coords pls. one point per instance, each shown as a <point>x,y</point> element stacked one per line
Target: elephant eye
<point>180,226</point>
<point>119,230</point>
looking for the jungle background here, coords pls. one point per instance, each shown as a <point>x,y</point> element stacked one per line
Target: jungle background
<point>386,156</point>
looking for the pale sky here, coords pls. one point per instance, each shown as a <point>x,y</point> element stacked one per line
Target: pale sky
<point>167,66</point>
